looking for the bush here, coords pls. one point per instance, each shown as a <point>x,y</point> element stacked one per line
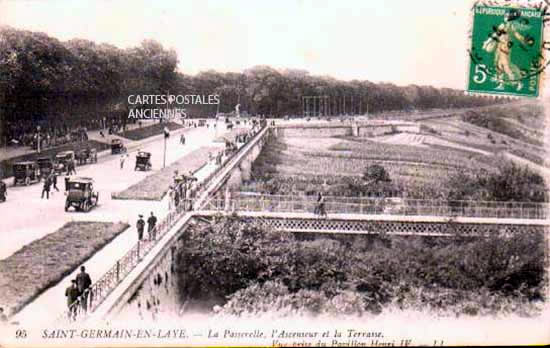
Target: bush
<point>262,271</point>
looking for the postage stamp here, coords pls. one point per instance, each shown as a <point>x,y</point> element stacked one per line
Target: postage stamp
<point>506,51</point>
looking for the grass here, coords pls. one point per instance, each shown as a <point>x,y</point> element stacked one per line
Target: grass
<point>149,131</point>
<point>155,186</point>
<point>287,165</point>
<point>6,165</point>
<point>45,262</point>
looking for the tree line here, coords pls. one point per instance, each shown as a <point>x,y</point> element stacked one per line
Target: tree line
<point>43,77</point>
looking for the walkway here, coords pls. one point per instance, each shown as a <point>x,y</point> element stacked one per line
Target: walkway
<point>40,310</point>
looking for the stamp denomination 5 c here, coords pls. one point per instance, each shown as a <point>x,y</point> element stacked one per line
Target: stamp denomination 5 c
<point>506,51</point>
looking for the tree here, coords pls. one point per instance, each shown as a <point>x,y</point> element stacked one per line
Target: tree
<point>376,174</point>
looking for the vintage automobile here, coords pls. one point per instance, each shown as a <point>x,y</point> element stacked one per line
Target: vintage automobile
<point>86,155</point>
<point>62,160</point>
<point>80,194</point>
<point>3,191</point>
<point>26,172</point>
<point>143,161</point>
<point>117,146</point>
<point>46,166</point>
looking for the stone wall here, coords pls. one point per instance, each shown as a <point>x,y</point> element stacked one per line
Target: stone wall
<point>317,131</point>
<point>158,293</point>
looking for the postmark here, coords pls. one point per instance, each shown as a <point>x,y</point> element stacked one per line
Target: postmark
<point>506,50</point>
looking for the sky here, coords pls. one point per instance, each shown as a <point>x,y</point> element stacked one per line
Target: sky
<point>400,41</point>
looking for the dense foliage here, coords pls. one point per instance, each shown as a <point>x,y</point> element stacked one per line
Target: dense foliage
<point>43,76</point>
<point>248,269</point>
<point>510,183</point>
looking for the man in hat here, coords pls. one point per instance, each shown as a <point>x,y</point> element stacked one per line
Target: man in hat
<point>83,282</point>
<point>53,177</point>
<point>46,187</point>
<point>190,179</point>
<point>151,223</point>
<point>140,225</point>
<point>72,296</point>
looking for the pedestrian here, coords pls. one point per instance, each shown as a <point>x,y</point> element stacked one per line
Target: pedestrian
<point>176,197</point>
<point>140,225</point>
<point>71,168</point>
<point>122,159</point>
<point>152,221</point>
<point>54,180</point>
<point>182,139</point>
<point>72,296</point>
<point>170,198</point>
<point>83,282</point>
<point>46,188</point>
<point>321,205</point>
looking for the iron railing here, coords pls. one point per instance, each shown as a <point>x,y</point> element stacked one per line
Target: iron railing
<point>98,292</point>
<point>381,206</point>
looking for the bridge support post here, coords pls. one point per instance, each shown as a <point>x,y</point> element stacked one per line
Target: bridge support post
<point>117,271</point>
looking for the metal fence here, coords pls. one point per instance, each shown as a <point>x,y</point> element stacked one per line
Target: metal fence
<point>98,292</point>
<point>381,206</point>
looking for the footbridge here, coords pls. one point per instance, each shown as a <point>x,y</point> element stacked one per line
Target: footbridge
<point>130,284</point>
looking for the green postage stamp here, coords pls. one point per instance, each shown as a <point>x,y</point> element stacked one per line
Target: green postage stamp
<point>506,51</point>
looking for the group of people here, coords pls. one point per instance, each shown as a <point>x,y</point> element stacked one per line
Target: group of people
<point>151,226</point>
<point>27,134</point>
<point>79,288</point>
<point>182,191</point>
<point>49,182</point>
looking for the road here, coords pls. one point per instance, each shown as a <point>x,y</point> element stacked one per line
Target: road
<point>40,216</point>
<point>30,217</point>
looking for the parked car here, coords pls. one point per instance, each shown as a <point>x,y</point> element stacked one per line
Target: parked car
<point>46,166</point>
<point>3,191</point>
<point>62,160</point>
<point>26,172</point>
<point>80,194</point>
<point>117,147</point>
<point>86,155</point>
<point>143,160</point>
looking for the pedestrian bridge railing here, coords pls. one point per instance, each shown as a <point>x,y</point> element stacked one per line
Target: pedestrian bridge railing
<point>382,206</point>
<point>98,292</point>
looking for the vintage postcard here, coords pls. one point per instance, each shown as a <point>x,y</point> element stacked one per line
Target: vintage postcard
<point>287,174</point>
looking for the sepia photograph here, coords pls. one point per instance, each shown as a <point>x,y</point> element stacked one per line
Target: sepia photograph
<point>287,174</point>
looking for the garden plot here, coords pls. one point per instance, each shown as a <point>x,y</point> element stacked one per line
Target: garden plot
<point>155,186</point>
<point>46,261</point>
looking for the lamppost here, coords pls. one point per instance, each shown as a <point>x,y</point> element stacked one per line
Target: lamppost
<point>166,135</point>
<point>38,139</point>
